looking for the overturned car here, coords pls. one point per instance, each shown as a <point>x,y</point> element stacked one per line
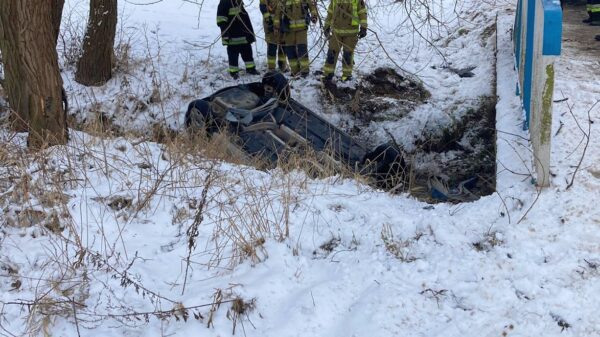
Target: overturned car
<point>264,121</point>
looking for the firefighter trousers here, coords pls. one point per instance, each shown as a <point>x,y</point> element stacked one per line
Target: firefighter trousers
<point>233,54</point>
<point>276,55</point>
<point>340,43</point>
<point>295,44</point>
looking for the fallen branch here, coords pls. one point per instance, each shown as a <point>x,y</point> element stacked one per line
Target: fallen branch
<point>192,232</point>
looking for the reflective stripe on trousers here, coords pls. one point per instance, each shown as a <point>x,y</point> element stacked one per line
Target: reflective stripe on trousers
<point>237,41</point>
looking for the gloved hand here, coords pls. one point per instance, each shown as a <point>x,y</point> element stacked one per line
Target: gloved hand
<point>313,19</point>
<point>362,33</point>
<point>327,31</point>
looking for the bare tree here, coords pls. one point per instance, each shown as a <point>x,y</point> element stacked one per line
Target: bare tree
<point>32,78</point>
<point>95,65</point>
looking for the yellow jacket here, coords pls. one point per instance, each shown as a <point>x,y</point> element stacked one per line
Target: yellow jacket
<point>293,15</point>
<point>267,8</point>
<point>346,17</point>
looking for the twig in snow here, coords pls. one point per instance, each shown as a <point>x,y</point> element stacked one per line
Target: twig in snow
<point>539,192</point>
<point>75,316</point>
<point>592,265</point>
<point>435,294</point>
<point>586,136</point>
<point>559,128</point>
<point>505,207</point>
<point>560,321</point>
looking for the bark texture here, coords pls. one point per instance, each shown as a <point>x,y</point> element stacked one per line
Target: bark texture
<point>32,79</point>
<point>94,68</point>
<point>57,8</point>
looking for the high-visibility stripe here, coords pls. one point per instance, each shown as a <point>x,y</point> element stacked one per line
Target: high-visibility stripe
<point>233,69</point>
<point>297,24</point>
<point>346,31</point>
<point>346,70</point>
<point>294,65</point>
<point>355,12</point>
<point>250,65</point>
<point>266,15</point>
<point>237,41</point>
<point>235,11</point>
<point>221,19</point>
<point>328,68</point>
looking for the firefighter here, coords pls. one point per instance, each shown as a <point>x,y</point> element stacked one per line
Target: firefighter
<point>291,21</point>
<point>593,9</point>
<point>346,22</point>
<point>275,53</point>
<point>237,34</point>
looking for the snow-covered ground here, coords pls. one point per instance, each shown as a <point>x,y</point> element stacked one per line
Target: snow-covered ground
<point>120,236</point>
<point>179,57</point>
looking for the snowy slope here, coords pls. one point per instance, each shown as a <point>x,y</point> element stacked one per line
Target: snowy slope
<point>303,257</point>
<point>178,53</point>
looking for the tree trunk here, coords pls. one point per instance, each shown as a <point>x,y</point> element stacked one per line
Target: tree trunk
<point>95,65</point>
<point>32,78</point>
<point>57,8</point>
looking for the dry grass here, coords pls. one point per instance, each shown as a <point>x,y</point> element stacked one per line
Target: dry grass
<point>245,208</point>
<point>399,248</point>
<point>242,207</point>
